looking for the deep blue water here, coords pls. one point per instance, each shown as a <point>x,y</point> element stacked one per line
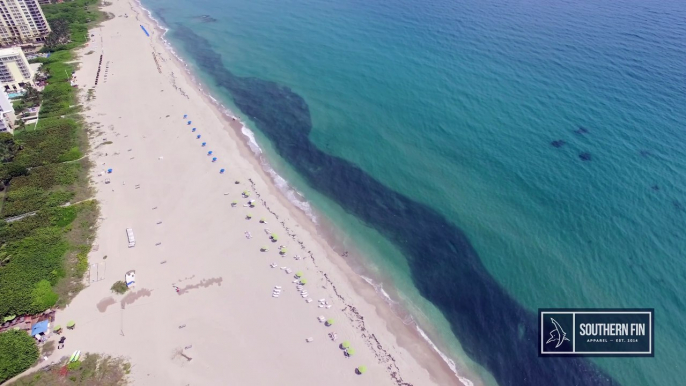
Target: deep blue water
<point>494,157</point>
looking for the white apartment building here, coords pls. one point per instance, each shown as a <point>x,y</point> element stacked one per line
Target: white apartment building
<point>6,113</point>
<point>22,21</point>
<point>15,71</point>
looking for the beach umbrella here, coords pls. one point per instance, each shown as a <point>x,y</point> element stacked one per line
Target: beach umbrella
<point>262,220</point>
<point>198,138</point>
<point>209,152</point>
<point>71,324</point>
<point>283,251</point>
<point>263,249</point>
<point>234,203</point>
<point>204,143</point>
<point>329,322</point>
<point>109,170</point>
<point>189,122</point>
<point>57,328</point>
<point>274,237</point>
<point>298,274</point>
<point>221,171</point>
<point>185,116</point>
<point>246,193</point>
<point>362,369</point>
<point>303,281</point>
<point>345,344</point>
<point>350,351</point>
<point>249,216</point>
<point>214,159</point>
<point>193,131</point>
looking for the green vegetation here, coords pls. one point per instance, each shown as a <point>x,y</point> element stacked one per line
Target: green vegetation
<point>91,370</point>
<point>44,255</point>
<point>119,287</point>
<point>18,352</point>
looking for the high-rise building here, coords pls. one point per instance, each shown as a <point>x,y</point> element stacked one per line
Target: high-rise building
<point>15,71</point>
<point>22,21</point>
<point>6,113</point>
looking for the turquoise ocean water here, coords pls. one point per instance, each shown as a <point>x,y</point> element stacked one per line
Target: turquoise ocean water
<point>551,134</point>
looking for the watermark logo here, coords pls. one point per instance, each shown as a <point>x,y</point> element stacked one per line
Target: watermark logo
<point>596,332</point>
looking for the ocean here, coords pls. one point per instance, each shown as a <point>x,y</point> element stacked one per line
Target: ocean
<point>484,158</point>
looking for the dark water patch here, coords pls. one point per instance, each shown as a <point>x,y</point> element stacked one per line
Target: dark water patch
<point>655,187</point>
<point>205,19</point>
<point>558,143</point>
<point>581,130</point>
<point>494,330</point>
<point>585,156</point>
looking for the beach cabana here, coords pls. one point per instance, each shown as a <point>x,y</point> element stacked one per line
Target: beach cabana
<point>71,325</point>
<point>130,278</point>
<point>361,369</point>
<point>329,322</point>
<point>40,328</point>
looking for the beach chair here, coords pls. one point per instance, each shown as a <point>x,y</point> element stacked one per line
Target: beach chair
<point>321,319</point>
<point>277,286</point>
<point>322,300</point>
<point>321,306</point>
<point>308,301</point>
<point>295,281</point>
<point>288,270</point>
<point>310,339</point>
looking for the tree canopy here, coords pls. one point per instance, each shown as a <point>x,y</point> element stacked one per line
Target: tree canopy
<point>18,352</point>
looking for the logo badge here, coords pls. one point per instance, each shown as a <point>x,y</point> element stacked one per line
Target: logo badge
<point>596,332</point>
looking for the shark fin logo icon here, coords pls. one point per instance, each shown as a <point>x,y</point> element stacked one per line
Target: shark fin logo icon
<point>557,335</point>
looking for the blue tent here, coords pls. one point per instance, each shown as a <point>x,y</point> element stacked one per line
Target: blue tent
<point>39,328</point>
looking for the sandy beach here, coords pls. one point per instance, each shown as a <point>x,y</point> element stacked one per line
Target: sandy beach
<point>209,305</point>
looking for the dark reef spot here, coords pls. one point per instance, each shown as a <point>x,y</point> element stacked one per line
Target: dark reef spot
<point>206,19</point>
<point>677,205</point>
<point>581,130</point>
<point>585,156</point>
<point>645,153</point>
<point>558,143</point>
<point>655,187</point>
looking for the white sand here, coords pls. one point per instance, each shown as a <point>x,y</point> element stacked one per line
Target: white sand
<point>239,333</point>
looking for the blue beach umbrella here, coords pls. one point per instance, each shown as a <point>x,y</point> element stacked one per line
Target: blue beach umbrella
<point>109,170</point>
<point>193,130</point>
<point>185,116</point>
<point>189,122</point>
<point>209,152</point>
<point>198,137</point>
<point>214,159</point>
<point>221,171</point>
<point>204,143</point>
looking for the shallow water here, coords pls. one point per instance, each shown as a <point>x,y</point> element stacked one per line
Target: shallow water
<point>433,123</point>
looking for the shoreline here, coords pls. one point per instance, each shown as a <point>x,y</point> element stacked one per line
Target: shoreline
<point>439,364</point>
<point>433,358</point>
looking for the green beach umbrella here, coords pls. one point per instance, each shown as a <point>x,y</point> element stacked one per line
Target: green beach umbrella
<point>263,249</point>
<point>249,216</point>
<point>345,344</point>
<point>57,328</point>
<point>362,369</point>
<point>234,203</point>
<point>299,274</point>
<point>283,251</point>
<point>303,281</point>
<point>246,193</point>
<point>329,322</point>
<point>71,324</point>
<point>350,351</point>
<point>262,220</point>
<point>274,237</point>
